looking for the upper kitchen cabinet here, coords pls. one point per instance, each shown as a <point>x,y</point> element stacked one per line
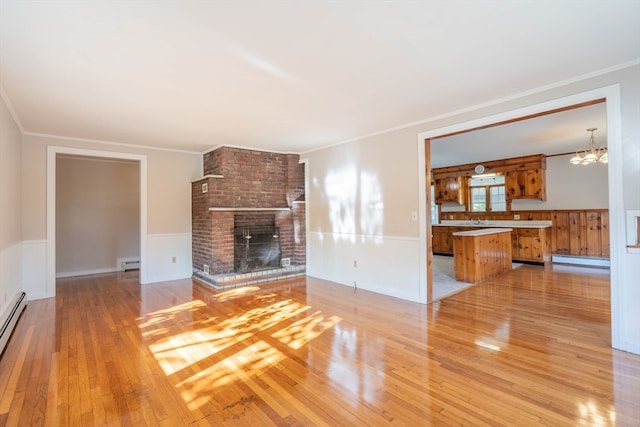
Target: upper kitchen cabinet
<point>526,184</point>
<point>524,179</point>
<point>450,189</point>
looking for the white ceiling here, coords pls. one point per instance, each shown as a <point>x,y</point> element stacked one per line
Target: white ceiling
<point>289,76</point>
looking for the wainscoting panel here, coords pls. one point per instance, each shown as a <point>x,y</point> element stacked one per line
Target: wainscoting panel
<point>168,257</point>
<point>34,270</point>
<point>10,273</point>
<point>388,265</point>
<point>86,272</point>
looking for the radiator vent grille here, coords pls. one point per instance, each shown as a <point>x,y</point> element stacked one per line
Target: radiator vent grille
<point>128,264</point>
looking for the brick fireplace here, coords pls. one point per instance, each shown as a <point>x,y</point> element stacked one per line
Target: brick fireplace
<point>248,193</point>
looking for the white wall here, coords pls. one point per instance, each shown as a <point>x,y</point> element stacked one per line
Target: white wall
<point>399,177</point>
<point>97,214</point>
<point>360,200</point>
<point>168,207</point>
<point>10,211</point>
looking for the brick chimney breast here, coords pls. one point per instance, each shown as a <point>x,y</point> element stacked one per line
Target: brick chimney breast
<point>242,181</point>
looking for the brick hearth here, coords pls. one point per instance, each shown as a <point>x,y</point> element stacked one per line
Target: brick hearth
<point>233,280</point>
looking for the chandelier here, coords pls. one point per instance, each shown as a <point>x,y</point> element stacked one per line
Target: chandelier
<point>592,155</point>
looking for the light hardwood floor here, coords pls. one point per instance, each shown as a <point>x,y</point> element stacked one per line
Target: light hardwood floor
<point>531,347</point>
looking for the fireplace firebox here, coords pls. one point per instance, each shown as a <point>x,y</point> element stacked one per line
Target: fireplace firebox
<point>256,248</point>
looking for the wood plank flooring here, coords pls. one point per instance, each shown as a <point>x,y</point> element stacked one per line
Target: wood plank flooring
<point>531,347</point>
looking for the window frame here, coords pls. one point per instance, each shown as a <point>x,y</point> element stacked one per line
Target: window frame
<point>487,196</point>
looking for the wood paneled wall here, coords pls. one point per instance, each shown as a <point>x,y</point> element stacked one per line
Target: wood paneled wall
<point>582,232</point>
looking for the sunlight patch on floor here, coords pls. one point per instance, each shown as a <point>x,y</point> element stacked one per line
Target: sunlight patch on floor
<point>301,332</point>
<point>184,355</point>
<point>177,351</point>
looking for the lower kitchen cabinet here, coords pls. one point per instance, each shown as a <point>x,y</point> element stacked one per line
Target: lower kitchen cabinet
<point>442,242</point>
<point>531,245</point>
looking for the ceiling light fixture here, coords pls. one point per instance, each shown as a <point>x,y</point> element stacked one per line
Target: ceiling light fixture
<point>592,155</point>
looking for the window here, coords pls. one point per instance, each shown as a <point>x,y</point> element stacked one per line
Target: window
<point>487,193</point>
<point>497,197</point>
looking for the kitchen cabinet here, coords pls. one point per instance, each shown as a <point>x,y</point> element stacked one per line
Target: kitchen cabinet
<point>441,242</point>
<point>526,184</point>
<point>450,189</point>
<point>531,245</point>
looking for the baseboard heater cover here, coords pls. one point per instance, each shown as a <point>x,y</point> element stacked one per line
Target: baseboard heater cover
<point>583,261</point>
<point>12,316</point>
<point>128,264</point>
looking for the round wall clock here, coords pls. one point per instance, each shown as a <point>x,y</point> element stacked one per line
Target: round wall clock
<point>479,169</point>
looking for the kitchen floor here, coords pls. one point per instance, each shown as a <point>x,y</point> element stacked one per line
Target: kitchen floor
<point>444,281</point>
<point>444,278</point>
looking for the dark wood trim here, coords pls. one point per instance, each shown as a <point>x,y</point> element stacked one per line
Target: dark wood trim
<point>519,119</point>
<point>427,162</point>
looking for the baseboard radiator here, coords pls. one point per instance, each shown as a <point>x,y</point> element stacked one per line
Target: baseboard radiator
<point>128,264</point>
<point>10,319</point>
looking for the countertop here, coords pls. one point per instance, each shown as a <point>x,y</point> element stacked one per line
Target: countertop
<point>482,232</point>
<point>494,224</point>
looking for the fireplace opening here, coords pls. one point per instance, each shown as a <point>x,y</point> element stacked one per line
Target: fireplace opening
<point>256,248</point>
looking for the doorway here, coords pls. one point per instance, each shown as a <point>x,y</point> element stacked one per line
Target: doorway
<point>582,232</point>
<point>611,94</point>
<point>97,215</point>
<point>52,156</point>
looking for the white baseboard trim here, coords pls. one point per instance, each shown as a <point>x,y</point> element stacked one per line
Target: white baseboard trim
<point>85,272</point>
<point>168,278</point>
<point>586,261</point>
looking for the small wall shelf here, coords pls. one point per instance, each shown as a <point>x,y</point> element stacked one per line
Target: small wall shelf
<point>207,177</point>
<point>248,209</point>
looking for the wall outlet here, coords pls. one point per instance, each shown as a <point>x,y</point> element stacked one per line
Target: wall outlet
<point>205,268</point>
<point>355,263</point>
<point>516,216</point>
<point>414,216</point>
<point>173,260</point>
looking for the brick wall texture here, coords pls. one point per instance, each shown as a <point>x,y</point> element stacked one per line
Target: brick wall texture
<point>250,179</point>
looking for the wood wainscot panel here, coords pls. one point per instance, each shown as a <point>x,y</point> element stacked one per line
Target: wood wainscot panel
<point>604,234</point>
<point>562,229</point>
<point>593,235</point>
<point>575,233</point>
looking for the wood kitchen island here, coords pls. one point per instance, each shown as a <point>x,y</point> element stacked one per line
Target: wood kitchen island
<point>480,254</point>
